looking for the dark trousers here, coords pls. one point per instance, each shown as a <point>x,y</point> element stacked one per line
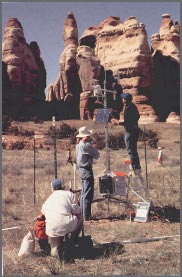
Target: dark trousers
<point>131,138</point>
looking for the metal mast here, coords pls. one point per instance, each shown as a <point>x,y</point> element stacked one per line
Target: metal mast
<point>106,131</point>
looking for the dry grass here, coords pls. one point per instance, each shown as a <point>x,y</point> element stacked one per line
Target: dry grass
<point>110,225</point>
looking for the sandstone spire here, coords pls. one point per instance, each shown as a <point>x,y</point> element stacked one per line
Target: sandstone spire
<point>89,70</point>
<point>166,70</point>
<point>25,68</point>
<point>168,38</point>
<point>67,87</point>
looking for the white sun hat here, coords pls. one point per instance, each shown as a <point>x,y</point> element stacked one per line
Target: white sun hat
<point>84,132</point>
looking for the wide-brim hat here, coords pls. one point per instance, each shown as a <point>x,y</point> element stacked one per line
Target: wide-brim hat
<point>57,184</point>
<point>84,132</point>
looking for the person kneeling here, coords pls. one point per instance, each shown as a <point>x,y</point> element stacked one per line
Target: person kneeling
<point>63,216</point>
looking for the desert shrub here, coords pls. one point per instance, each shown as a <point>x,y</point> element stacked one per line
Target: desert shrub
<point>150,136</point>
<point>6,123</point>
<point>36,119</point>
<point>65,131</point>
<point>4,145</point>
<point>16,131</point>
<point>99,140</point>
<point>52,131</point>
<point>73,138</point>
<point>26,133</point>
<point>18,145</point>
<point>49,142</point>
<point>116,141</point>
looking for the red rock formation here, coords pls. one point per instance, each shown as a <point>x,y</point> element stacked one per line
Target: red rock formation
<point>111,49</point>
<point>123,49</point>
<point>89,70</point>
<point>26,72</point>
<point>67,85</point>
<point>168,38</point>
<point>41,84</point>
<point>166,70</point>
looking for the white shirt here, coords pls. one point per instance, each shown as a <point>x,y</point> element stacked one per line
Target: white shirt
<point>60,210</point>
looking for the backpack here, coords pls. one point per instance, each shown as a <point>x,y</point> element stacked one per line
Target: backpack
<point>39,228</point>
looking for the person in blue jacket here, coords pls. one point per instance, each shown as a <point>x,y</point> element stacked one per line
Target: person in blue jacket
<point>85,153</point>
<point>130,123</point>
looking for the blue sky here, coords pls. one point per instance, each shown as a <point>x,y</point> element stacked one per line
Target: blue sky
<point>44,21</point>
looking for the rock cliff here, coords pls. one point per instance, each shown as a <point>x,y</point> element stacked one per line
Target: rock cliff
<point>122,48</point>
<point>166,70</point>
<point>115,51</point>
<point>25,68</point>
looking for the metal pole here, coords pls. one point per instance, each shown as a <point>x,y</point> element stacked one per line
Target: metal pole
<point>145,149</point>
<point>34,173</point>
<point>55,150</point>
<point>74,171</point>
<point>106,130</point>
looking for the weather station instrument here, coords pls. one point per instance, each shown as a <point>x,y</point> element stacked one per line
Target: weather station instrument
<point>110,183</point>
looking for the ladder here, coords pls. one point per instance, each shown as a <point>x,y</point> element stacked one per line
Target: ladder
<point>137,184</point>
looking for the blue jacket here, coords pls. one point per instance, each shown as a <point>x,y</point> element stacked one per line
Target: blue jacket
<point>131,117</point>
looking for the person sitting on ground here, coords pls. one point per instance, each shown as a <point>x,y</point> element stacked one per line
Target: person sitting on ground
<point>63,216</point>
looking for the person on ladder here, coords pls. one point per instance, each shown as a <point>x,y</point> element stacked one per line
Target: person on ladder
<point>130,123</point>
<point>85,153</point>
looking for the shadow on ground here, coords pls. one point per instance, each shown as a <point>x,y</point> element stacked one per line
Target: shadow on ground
<point>166,213</point>
<point>85,249</point>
